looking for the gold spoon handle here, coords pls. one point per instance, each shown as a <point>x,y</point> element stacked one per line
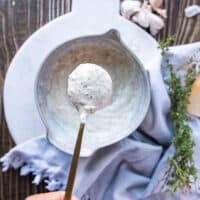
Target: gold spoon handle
<point>74,163</point>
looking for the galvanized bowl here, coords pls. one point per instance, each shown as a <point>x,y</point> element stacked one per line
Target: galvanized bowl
<point>130,100</point>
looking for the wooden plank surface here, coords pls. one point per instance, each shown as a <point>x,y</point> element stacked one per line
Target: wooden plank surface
<point>18,20</point>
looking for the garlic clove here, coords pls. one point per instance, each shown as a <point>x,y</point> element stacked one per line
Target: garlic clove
<point>194,99</point>
<point>130,8</point>
<point>156,23</point>
<point>161,12</point>
<point>146,6</point>
<point>191,11</point>
<point>156,3</point>
<point>141,18</point>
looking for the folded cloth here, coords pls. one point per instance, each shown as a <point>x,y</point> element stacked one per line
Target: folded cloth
<point>174,196</point>
<point>130,169</point>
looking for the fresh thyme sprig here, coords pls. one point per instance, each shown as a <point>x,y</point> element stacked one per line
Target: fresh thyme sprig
<point>182,169</point>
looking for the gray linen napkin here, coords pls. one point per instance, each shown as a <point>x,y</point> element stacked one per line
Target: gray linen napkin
<point>130,169</point>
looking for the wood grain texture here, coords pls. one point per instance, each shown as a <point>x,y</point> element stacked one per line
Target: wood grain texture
<point>18,20</point>
<point>185,29</point>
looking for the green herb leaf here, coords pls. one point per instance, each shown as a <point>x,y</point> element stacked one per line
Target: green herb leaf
<point>182,169</point>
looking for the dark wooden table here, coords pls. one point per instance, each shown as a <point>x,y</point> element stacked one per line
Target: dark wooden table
<point>18,20</point>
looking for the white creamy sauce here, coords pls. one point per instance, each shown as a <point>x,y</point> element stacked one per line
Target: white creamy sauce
<point>105,124</point>
<point>89,88</point>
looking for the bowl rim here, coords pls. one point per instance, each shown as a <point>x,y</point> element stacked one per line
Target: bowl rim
<point>112,35</point>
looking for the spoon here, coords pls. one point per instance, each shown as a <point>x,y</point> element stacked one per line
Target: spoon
<point>74,163</point>
<point>89,89</point>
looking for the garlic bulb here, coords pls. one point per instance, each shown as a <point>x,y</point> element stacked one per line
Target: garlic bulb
<point>129,8</point>
<point>146,6</point>
<point>191,11</point>
<point>142,13</point>
<point>156,23</point>
<point>141,18</point>
<point>156,3</point>
<point>161,12</point>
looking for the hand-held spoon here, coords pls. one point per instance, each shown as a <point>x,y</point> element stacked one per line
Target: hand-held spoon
<point>90,89</point>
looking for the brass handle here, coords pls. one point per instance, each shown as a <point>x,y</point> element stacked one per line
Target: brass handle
<point>74,163</point>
